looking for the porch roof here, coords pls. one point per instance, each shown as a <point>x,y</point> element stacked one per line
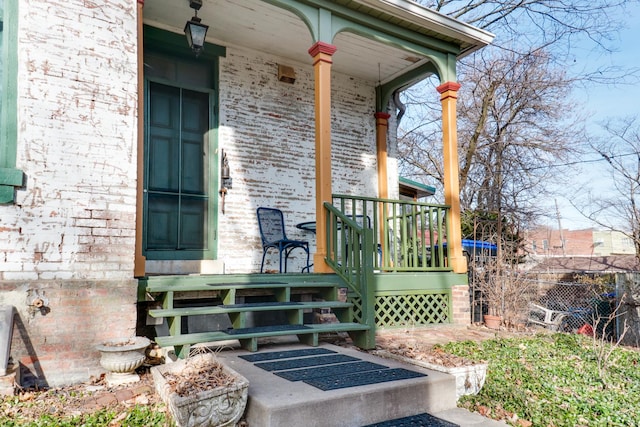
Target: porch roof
<point>379,39</point>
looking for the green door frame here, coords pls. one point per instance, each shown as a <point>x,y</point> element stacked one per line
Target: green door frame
<point>173,45</point>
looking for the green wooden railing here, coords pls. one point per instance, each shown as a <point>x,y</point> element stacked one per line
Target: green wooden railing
<point>407,236</point>
<point>365,235</point>
<point>350,252</point>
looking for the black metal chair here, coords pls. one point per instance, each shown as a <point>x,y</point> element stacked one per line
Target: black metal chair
<point>272,233</point>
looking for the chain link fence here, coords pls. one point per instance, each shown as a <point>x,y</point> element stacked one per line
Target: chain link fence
<point>558,306</point>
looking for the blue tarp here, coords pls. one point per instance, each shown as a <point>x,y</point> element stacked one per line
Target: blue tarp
<point>469,245</point>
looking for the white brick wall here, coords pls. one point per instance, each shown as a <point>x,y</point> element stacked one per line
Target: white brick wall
<point>276,167</point>
<point>76,143</point>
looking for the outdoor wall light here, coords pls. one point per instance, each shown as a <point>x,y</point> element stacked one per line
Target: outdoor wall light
<point>195,31</point>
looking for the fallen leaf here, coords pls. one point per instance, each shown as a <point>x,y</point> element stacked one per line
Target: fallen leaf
<point>484,410</point>
<point>116,421</point>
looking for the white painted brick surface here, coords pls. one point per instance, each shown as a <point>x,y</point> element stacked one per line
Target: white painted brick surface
<point>76,142</point>
<point>267,130</point>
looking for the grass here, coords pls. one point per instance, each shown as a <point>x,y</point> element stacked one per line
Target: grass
<point>554,380</point>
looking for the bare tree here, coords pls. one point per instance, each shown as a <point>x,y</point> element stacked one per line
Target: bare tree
<point>517,122</point>
<point>524,26</point>
<point>619,210</point>
<point>514,119</point>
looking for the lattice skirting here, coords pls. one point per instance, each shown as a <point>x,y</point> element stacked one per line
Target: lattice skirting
<point>408,308</point>
<point>413,309</point>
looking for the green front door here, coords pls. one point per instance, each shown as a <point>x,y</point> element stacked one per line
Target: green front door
<point>178,208</point>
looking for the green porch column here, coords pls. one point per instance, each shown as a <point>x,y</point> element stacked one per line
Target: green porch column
<point>448,96</point>
<point>321,53</point>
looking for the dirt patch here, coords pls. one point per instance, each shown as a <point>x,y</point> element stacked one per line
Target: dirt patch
<point>79,399</point>
<point>418,343</point>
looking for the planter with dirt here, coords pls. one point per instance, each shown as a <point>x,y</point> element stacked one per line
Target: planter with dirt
<point>200,391</point>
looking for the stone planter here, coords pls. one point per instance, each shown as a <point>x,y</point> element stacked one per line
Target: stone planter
<point>219,407</point>
<point>121,358</point>
<point>469,379</point>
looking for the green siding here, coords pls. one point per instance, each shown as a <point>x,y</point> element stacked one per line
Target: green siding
<point>10,177</point>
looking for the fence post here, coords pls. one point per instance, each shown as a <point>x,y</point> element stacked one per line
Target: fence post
<point>628,295</point>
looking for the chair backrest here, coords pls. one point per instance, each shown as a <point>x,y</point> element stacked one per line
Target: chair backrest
<point>271,223</point>
<point>362,220</point>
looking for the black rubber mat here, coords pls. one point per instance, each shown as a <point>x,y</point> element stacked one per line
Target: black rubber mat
<point>222,285</point>
<point>364,378</point>
<point>305,362</point>
<point>259,329</point>
<point>415,421</point>
<point>273,355</point>
<point>261,304</point>
<point>329,370</point>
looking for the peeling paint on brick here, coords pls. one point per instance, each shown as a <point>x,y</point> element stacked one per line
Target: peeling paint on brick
<point>276,168</point>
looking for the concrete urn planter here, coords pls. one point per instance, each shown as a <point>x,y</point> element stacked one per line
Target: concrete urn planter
<point>222,406</point>
<point>469,378</point>
<point>121,358</point>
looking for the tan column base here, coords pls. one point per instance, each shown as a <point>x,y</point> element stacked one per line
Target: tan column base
<point>319,266</point>
<point>459,264</point>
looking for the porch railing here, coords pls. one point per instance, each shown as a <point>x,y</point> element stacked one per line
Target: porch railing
<point>407,236</point>
<point>350,252</point>
<point>365,235</point>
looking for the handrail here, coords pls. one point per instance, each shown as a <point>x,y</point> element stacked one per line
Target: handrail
<point>409,235</point>
<point>350,252</point>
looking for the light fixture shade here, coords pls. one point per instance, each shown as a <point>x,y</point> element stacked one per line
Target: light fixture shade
<point>196,33</point>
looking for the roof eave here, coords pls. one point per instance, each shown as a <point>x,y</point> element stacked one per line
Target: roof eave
<point>420,15</point>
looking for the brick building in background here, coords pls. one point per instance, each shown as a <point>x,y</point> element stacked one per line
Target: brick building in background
<point>551,242</point>
<point>560,255</point>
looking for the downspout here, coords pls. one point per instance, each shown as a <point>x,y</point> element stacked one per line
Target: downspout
<point>7,315</point>
<point>398,104</point>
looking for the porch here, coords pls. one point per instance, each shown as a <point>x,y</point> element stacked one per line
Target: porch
<point>390,269</point>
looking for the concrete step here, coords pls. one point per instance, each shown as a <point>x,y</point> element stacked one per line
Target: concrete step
<point>277,402</point>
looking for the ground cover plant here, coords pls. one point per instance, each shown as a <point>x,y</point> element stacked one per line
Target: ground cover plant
<point>16,413</point>
<point>553,380</point>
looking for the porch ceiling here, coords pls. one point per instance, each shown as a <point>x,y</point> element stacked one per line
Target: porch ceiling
<point>265,27</point>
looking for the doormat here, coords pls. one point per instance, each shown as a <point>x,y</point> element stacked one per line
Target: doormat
<point>260,329</point>
<point>305,362</point>
<point>288,354</point>
<point>232,284</point>
<point>329,370</point>
<point>362,378</point>
<point>415,421</point>
<point>261,304</point>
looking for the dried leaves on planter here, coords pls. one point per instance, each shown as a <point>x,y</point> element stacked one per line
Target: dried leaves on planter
<point>428,354</point>
<point>198,375</point>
